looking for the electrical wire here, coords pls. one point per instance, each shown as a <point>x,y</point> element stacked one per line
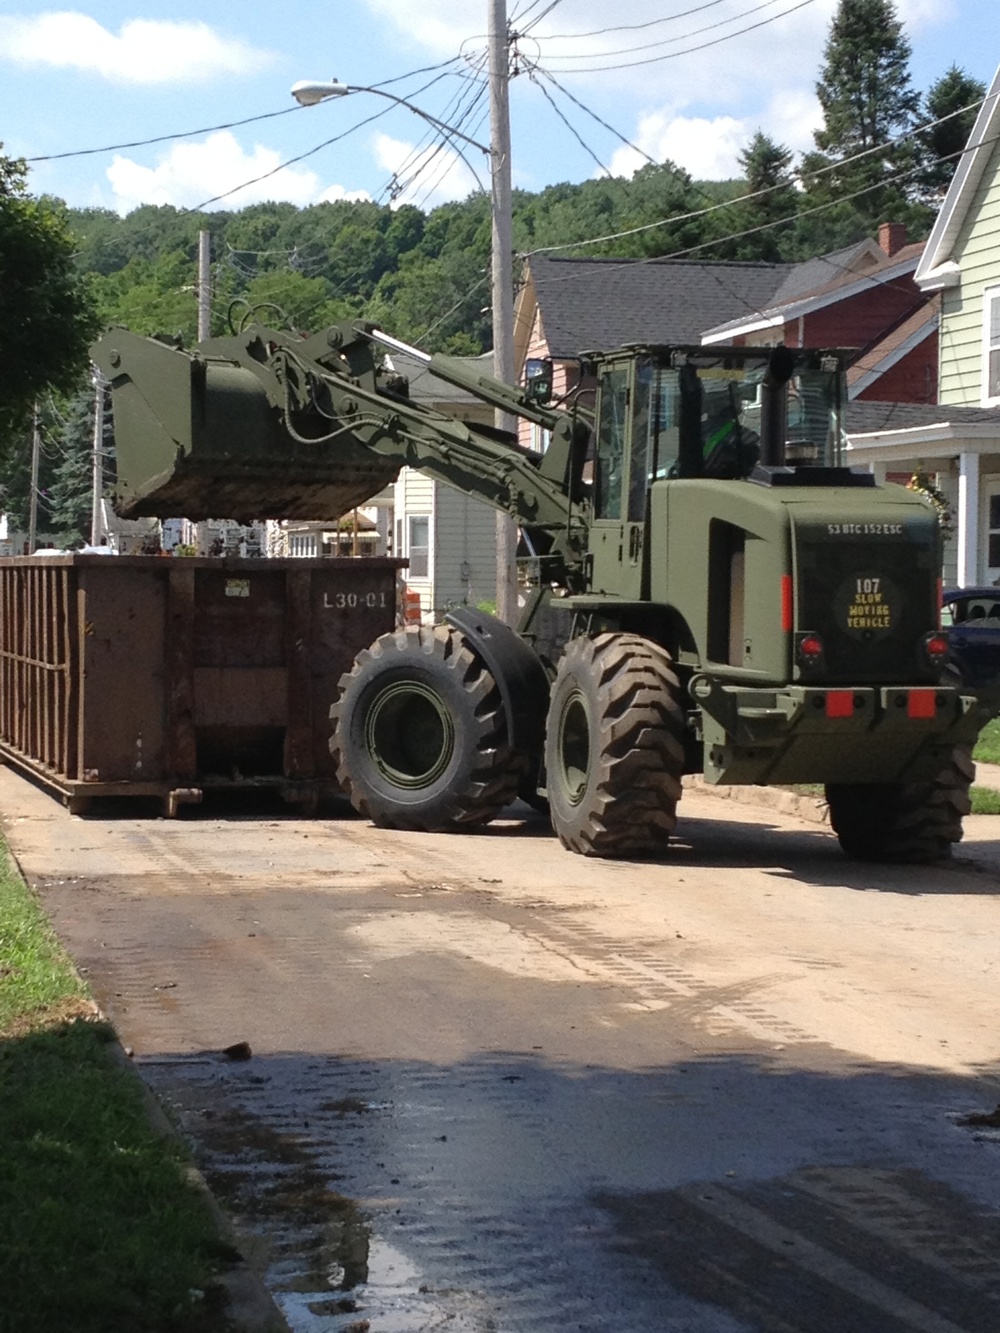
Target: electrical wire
<point>164,138</point>
<point>635,27</point>
<point>689,50</point>
<point>770,189</point>
<point>667,41</point>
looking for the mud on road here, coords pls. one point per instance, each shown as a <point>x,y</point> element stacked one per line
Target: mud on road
<point>496,1086</point>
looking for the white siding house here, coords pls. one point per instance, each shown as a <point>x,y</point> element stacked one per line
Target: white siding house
<point>448,537</point>
<point>959,441</point>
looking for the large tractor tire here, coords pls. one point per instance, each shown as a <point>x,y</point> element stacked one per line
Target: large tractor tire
<point>420,736</point>
<point>614,747</point>
<point>911,823</point>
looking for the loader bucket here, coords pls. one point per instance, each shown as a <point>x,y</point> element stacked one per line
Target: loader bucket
<point>196,436</point>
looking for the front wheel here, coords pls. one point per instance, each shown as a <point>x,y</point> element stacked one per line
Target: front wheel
<point>614,747</point>
<point>420,737</point>
<point>905,822</point>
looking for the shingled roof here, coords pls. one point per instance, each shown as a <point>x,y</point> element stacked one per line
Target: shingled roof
<point>601,304</point>
<point>869,418</point>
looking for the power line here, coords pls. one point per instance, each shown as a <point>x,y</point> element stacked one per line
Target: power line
<point>637,27</point>
<point>689,50</point>
<point>594,116</point>
<point>163,138</point>
<point>667,41</point>
<point>770,189</point>
<point>766,226</point>
<point>228,125</point>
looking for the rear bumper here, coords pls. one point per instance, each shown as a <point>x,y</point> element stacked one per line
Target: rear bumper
<point>810,734</point>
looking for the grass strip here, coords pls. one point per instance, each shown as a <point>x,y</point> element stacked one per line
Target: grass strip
<point>987,749</point>
<point>985,801</point>
<point>100,1227</point>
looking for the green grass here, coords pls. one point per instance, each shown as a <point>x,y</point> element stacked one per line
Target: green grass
<point>100,1229</point>
<point>987,749</point>
<point>985,801</point>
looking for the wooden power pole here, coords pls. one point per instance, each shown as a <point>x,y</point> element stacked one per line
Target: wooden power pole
<point>502,268</point>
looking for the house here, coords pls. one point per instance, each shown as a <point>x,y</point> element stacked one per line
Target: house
<point>863,297</point>
<point>448,537</point>
<point>958,442</point>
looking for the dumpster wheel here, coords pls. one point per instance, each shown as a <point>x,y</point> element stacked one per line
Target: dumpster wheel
<point>614,747</point>
<point>420,736</point>
<point>905,822</point>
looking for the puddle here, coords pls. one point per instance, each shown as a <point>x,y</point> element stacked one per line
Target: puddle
<point>394,1299</point>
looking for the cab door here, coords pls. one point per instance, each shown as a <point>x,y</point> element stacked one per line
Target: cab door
<point>618,530</point>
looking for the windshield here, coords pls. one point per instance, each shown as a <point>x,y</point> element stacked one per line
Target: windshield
<point>714,405</point>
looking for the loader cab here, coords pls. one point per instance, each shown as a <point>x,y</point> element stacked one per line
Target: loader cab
<point>684,414</point>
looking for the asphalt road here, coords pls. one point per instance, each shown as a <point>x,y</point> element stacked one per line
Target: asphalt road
<point>497,1086</point>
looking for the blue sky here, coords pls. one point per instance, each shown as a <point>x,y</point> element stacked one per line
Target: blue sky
<point>691,80</point>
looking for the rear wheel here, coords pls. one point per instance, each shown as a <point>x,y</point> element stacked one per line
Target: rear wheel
<point>614,747</point>
<point>906,822</point>
<point>420,737</point>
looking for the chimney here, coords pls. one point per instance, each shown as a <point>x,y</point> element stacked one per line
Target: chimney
<point>891,237</point>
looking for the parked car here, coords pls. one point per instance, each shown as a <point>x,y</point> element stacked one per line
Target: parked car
<point>971,617</point>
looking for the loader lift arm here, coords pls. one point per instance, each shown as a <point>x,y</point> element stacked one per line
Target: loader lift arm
<point>267,424</point>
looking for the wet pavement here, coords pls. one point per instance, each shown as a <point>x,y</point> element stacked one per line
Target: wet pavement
<point>493,1086</point>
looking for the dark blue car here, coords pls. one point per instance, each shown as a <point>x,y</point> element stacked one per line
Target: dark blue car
<point>971,618</point>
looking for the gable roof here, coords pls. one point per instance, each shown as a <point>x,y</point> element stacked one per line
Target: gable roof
<point>600,304</point>
<point>937,268</point>
<point>603,303</point>
<point>890,349</point>
<point>822,282</point>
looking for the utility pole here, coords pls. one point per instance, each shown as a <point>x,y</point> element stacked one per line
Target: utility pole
<point>36,449</point>
<point>502,269</point>
<point>204,285</point>
<point>97,461</point>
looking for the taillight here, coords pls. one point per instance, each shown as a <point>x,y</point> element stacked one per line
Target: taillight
<point>936,647</point>
<point>786,602</point>
<point>921,703</point>
<point>840,703</point>
<point>811,648</point>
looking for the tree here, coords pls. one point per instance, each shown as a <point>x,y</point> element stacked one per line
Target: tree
<point>954,100</point>
<point>867,101</point>
<point>767,172</point>
<point>48,316</point>
<point>70,495</point>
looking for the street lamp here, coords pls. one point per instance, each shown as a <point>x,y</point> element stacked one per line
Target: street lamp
<point>308,92</point>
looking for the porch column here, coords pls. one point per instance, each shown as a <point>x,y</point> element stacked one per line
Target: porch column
<point>878,471</point>
<point>968,520</point>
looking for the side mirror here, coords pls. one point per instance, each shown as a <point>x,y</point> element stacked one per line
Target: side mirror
<point>538,380</point>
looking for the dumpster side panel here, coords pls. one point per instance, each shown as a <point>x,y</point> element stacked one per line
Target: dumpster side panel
<point>38,663</point>
<point>352,602</point>
<point>138,671</point>
<point>122,723</point>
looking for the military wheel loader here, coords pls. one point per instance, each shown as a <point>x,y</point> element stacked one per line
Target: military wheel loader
<point>708,588</point>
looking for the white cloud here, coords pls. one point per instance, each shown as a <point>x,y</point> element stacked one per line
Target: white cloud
<point>191,173</point>
<point>438,25</point>
<point>426,177</point>
<point>143,51</point>
<point>708,149</point>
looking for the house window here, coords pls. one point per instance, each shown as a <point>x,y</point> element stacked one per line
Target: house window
<point>991,332</point>
<point>418,548</point>
<point>993,532</point>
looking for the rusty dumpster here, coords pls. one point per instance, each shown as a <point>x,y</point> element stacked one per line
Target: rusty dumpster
<point>161,677</point>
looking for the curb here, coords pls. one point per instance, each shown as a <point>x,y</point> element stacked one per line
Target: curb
<point>250,1307</point>
<point>813,809</point>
